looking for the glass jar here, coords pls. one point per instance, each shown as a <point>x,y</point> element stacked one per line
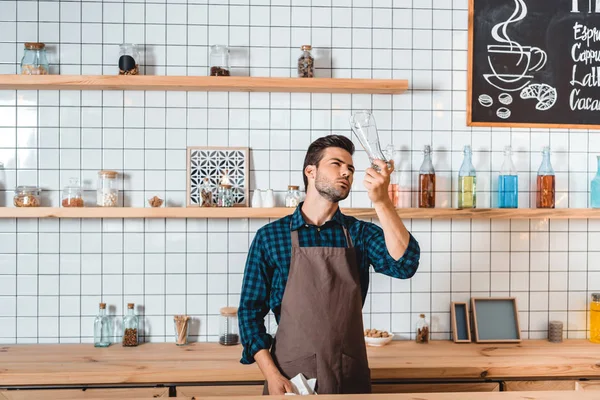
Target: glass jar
<point>225,196</point>
<point>107,194</point>
<point>72,195</point>
<point>206,194</point>
<point>181,323</point>
<point>130,327</point>
<point>102,328</point>
<point>422,330</point>
<point>228,329</point>
<point>292,198</point>
<point>27,196</point>
<point>219,60</point>
<point>595,318</point>
<point>306,63</point>
<point>34,61</point>
<point>129,59</point>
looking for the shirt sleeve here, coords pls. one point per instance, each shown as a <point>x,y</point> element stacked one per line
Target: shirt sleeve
<point>254,302</point>
<point>383,262</point>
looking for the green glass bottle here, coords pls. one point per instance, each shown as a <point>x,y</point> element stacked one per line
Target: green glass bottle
<point>467,181</point>
<point>102,328</point>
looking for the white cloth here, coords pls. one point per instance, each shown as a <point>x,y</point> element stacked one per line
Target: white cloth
<point>302,386</point>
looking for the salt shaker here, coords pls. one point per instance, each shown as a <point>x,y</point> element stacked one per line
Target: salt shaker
<point>269,200</point>
<point>257,199</point>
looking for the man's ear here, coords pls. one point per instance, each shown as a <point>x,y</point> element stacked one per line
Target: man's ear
<point>311,172</point>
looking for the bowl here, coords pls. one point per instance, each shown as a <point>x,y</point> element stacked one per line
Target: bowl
<point>378,342</point>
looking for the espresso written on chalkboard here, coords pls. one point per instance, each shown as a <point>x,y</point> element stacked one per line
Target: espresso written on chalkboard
<point>534,63</point>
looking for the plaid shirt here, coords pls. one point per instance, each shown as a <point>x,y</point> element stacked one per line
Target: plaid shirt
<point>268,265</point>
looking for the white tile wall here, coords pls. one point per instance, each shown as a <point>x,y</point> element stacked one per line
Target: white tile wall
<point>53,273</point>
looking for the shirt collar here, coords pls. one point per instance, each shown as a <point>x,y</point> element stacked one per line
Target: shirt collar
<point>298,219</point>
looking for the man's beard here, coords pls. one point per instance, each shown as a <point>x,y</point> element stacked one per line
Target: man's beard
<point>328,190</point>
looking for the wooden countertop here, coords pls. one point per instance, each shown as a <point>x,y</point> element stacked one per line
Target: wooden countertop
<point>70,364</point>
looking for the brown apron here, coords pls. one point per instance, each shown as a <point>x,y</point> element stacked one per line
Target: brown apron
<point>320,333</point>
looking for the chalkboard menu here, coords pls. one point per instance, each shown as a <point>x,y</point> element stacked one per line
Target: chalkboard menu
<point>534,63</point>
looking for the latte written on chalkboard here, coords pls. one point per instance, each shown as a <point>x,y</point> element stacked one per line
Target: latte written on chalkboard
<point>534,63</point>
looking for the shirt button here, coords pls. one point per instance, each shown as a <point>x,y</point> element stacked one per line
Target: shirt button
<point>306,226</point>
<point>318,229</point>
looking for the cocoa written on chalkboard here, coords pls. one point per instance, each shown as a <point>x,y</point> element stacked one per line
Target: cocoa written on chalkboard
<point>534,63</point>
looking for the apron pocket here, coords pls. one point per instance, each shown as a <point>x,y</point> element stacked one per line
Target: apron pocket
<point>306,365</point>
<point>356,375</point>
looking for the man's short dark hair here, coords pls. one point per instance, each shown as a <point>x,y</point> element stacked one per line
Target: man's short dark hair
<point>314,154</point>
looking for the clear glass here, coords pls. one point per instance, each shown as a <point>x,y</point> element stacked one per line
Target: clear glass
<point>206,194</point>
<point>130,328</point>
<point>292,198</point>
<point>306,63</point>
<point>27,196</point>
<point>595,187</point>
<point>546,182</point>
<point>228,330</point>
<point>364,128</point>
<point>72,195</point>
<point>508,182</point>
<point>422,334</point>
<point>595,318</point>
<point>107,194</point>
<point>467,181</point>
<point>102,328</point>
<point>225,196</point>
<point>219,60</point>
<point>393,188</point>
<point>34,61</point>
<point>427,180</point>
<point>129,59</point>
<point>181,325</point>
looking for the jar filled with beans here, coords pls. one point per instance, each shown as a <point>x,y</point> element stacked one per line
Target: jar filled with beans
<point>107,194</point>
<point>27,196</point>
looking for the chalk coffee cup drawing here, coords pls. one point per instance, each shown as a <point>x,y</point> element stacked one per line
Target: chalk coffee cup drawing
<point>512,64</point>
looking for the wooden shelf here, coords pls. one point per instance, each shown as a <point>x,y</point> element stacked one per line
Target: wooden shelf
<point>243,212</point>
<point>202,83</point>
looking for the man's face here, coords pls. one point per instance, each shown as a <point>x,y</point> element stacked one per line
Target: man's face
<point>334,175</point>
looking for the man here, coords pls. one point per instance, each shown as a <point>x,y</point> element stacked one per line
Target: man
<point>312,270</point>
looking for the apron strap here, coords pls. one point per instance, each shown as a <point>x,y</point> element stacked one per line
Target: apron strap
<point>348,238</point>
<point>296,242</point>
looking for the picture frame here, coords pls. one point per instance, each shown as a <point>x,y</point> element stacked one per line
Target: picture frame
<point>213,163</point>
<point>495,320</point>
<point>461,327</point>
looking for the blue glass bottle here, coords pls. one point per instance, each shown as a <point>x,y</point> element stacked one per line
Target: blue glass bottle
<point>508,182</point>
<point>596,187</point>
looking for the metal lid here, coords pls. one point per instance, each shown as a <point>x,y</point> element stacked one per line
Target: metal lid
<point>34,45</point>
<point>229,311</point>
<point>27,189</point>
<point>130,305</point>
<point>108,174</point>
<point>595,296</point>
<point>292,187</point>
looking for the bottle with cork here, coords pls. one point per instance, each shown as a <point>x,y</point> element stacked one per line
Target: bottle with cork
<point>102,328</point>
<point>130,327</point>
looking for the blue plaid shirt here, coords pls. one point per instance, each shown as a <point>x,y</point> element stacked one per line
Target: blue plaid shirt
<point>268,265</point>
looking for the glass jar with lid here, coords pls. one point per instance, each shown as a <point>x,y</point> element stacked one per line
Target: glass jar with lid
<point>129,59</point>
<point>107,194</point>
<point>27,196</point>
<point>595,318</point>
<point>292,198</point>
<point>219,60</point>
<point>34,61</point>
<point>306,63</point>
<point>72,194</point>
<point>130,327</point>
<point>422,330</point>
<point>228,329</point>
<point>225,196</point>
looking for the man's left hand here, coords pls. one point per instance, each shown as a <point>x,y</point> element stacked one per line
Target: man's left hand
<point>377,182</point>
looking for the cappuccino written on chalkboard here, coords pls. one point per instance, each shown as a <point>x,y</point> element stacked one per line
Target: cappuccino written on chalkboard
<point>534,63</point>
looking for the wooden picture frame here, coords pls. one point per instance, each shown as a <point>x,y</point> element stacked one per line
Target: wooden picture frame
<point>496,320</point>
<point>461,327</point>
<point>212,162</point>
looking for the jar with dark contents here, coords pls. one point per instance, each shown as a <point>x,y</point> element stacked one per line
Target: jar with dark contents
<point>129,58</point>
<point>228,332</point>
<point>130,327</point>
<point>422,330</point>
<point>219,60</point>
<point>306,63</point>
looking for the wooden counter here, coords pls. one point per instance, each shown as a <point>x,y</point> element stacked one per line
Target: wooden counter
<point>400,361</point>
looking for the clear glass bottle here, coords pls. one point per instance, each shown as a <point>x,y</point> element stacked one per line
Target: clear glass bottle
<point>34,61</point>
<point>427,180</point>
<point>545,193</point>
<point>130,327</point>
<point>595,187</point>
<point>467,181</point>
<point>393,187</point>
<point>422,330</point>
<point>27,196</point>
<point>102,328</point>
<point>292,198</point>
<point>181,325</point>
<point>306,63</point>
<point>225,196</point>
<point>72,195</point>
<point>508,182</point>
<point>595,318</point>
<point>219,60</point>
<point>365,129</point>
<point>107,194</point>
<point>206,194</point>
<point>129,59</point>
<point>228,327</point>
